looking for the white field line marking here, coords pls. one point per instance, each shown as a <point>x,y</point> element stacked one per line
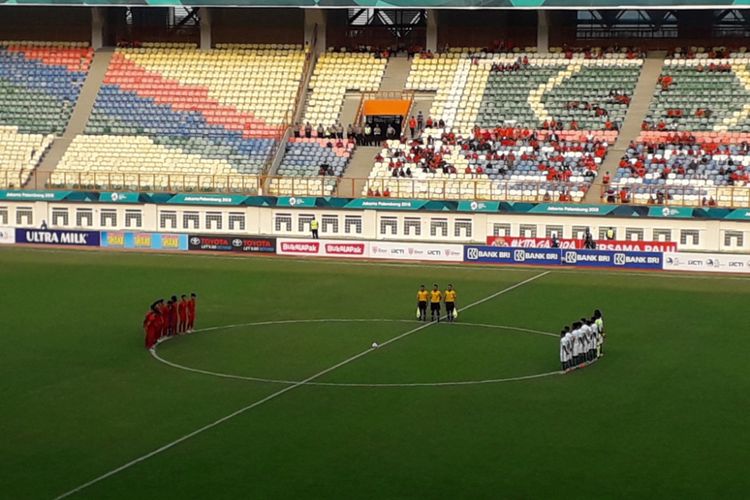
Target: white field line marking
<point>422,265</point>
<point>278,393</point>
<point>345,320</point>
<point>352,384</point>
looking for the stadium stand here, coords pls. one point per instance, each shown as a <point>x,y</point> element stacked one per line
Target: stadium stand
<point>505,164</point>
<point>191,114</point>
<point>311,166</point>
<point>498,110</point>
<point>335,73</point>
<point>693,146</point>
<point>39,85</point>
<point>525,89</point>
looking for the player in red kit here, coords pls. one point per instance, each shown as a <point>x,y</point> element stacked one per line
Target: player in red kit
<point>151,327</point>
<point>182,314</point>
<point>191,312</point>
<point>172,317</point>
<point>163,310</point>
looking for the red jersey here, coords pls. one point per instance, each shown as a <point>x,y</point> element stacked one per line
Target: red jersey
<point>191,308</point>
<point>182,309</point>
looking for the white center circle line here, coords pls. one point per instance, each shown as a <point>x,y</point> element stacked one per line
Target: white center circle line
<point>178,366</point>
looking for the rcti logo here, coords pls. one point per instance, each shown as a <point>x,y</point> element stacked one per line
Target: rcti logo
<point>292,201</point>
<point>519,256</point>
<point>619,259</point>
<point>472,253</point>
<point>570,258</point>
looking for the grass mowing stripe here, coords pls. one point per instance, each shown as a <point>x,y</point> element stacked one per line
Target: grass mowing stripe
<point>281,392</point>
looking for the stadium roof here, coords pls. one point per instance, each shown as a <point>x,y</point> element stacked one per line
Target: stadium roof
<point>459,4</point>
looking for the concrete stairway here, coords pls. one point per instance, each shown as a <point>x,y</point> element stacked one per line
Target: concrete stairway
<point>355,175</point>
<point>78,119</point>
<point>631,127</point>
<point>395,75</point>
<point>350,107</point>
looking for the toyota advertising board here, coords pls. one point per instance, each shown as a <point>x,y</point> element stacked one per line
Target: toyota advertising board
<point>445,252</point>
<point>218,243</point>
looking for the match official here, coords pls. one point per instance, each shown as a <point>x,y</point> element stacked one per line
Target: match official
<point>450,302</point>
<point>436,296</point>
<point>422,296</point>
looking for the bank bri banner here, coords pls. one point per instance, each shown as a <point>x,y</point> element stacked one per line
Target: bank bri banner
<point>563,257</point>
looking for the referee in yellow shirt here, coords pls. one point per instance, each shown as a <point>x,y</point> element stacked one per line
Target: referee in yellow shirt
<point>450,302</point>
<point>436,296</point>
<point>422,296</point>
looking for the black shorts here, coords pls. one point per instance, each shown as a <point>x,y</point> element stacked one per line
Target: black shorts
<point>434,306</point>
<point>450,306</point>
<point>422,305</point>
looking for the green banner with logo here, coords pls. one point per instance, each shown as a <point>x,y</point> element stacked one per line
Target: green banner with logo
<point>571,209</point>
<point>478,206</point>
<point>296,201</point>
<point>674,212</point>
<point>114,197</point>
<point>385,204</point>
<point>23,195</point>
<point>207,199</point>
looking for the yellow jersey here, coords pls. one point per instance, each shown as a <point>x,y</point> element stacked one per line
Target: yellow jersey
<point>435,296</point>
<point>450,295</point>
<point>422,295</point>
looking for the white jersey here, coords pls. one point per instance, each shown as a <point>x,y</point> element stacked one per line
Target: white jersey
<point>577,337</point>
<point>563,350</point>
<point>600,324</point>
<point>595,330</point>
<point>589,337</point>
<point>569,342</point>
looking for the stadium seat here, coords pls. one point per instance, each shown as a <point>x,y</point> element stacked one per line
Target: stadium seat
<point>207,113</point>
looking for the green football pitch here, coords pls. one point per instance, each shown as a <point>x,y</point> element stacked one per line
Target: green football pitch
<point>475,409</point>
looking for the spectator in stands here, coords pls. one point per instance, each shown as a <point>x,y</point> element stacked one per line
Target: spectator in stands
<point>349,131</point>
<point>308,130</point>
<point>358,133</point>
<point>390,132</point>
<point>412,125</point>
<point>420,122</point>
<point>368,135</point>
<point>339,130</point>
<point>606,178</point>
<point>297,130</point>
<point>377,134</point>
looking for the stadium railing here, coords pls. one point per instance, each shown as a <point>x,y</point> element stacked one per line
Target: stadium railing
<point>684,196</point>
<point>437,189</point>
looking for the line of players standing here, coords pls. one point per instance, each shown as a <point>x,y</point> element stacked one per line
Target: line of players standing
<point>582,343</point>
<point>166,319</point>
